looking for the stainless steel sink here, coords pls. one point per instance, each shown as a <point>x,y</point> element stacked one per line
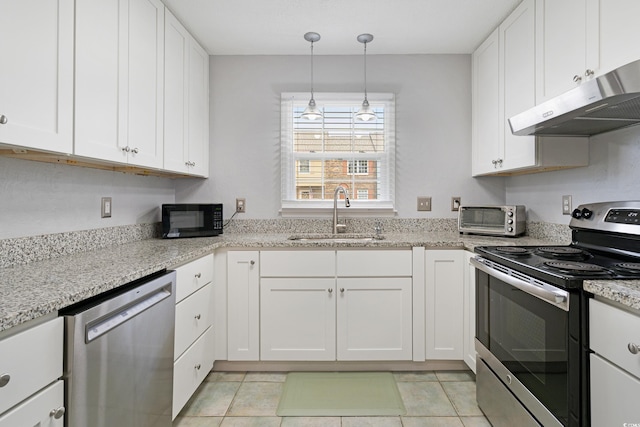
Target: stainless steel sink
<point>337,238</point>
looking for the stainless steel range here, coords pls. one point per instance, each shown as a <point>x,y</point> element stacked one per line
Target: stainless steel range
<point>532,319</point>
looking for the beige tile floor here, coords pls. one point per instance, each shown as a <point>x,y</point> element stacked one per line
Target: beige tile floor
<point>432,399</point>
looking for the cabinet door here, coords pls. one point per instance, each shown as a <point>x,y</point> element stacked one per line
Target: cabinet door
<point>444,309</point>
<point>119,81</point>
<point>243,305</point>
<point>374,318</point>
<point>561,46</point>
<point>469,316</point>
<point>614,395</point>
<point>618,32</point>
<point>36,76</point>
<point>37,410</point>
<point>486,124</point>
<point>193,317</point>
<point>190,369</point>
<point>517,89</point>
<point>198,107</point>
<point>297,319</point>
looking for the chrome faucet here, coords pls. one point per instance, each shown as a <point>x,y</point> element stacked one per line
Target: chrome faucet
<point>339,228</point>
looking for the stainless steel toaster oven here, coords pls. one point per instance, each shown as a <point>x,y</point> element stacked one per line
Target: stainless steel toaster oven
<point>507,220</point>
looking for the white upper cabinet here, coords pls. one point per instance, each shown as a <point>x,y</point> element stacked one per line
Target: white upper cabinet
<point>36,75</point>
<point>119,81</point>
<point>186,98</point>
<point>618,32</point>
<point>485,110</point>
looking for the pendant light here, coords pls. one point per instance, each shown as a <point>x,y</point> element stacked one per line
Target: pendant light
<point>312,112</point>
<point>365,113</point>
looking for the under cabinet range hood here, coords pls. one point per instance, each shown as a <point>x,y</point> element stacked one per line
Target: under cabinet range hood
<point>602,104</point>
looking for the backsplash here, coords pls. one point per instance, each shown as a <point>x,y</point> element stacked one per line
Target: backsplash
<point>24,250</point>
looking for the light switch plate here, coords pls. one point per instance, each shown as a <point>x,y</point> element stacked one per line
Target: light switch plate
<point>106,207</point>
<point>424,203</point>
<point>566,205</point>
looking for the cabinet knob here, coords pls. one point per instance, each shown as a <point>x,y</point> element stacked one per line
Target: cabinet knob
<point>342,290</point>
<point>198,316</point>
<point>3,119</point>
<point>4,379</point>
<point>589,72</point>
<point>57,413</point>
<point>577,78</point>
<point>330,290</point>
<point>199,275</point>
<point>198,366</point>
<point>126,149</point>
<point>193,163</point>
<point>134,151</point>
<point>633,348</point>
<point>252,262</point>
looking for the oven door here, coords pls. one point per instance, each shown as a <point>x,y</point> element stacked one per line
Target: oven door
<point>522,333</point>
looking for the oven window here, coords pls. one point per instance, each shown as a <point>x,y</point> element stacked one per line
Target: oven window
<point>529,337</point>
<point>483,218</point>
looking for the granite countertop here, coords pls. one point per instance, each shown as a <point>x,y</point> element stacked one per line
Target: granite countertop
<point>36,289</point>
<point>625,292</point>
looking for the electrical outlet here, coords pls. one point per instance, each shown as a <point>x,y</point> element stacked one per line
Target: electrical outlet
<point>566,205</point>
<point>424,203</point>
<point>106,207</point>
<point>455,203</point>
<point>240,205</point>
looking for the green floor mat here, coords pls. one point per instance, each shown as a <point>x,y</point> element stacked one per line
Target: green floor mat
<point>340,394</point>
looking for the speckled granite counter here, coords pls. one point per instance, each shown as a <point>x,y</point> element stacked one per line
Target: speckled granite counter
<point>625,292</point>
<point>35,289</point>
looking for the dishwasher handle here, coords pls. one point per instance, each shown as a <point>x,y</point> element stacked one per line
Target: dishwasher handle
<point>117,317</point>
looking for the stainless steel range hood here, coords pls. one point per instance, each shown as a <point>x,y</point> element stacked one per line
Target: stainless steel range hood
<point>606,103</point>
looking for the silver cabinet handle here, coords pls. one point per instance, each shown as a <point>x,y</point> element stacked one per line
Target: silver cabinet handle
<point>577,78</point>
<point>4,379</point>
<point>252,262</point>
<point>3,119</point>
<point>589,72</point>
<point>126,149</point>
<point>198,366</point>
<point>342,290</point>
<point>134,151</point>
<point>193,163</point>
<point>330,290</point>
<point>199,275</point>
<point>57,413</point>
<point>197,317</point>
<point>633,348</point>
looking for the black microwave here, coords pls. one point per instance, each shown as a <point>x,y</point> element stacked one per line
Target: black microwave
<point>191,220</point>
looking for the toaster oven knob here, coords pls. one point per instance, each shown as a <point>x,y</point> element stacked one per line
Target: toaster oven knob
<point>509,213</point>
<point>587,213</point>
<point>509,221</point>
<point>577,213</point>
<point>509,229</point>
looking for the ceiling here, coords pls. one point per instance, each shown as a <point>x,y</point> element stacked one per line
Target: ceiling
<point>276,27</point>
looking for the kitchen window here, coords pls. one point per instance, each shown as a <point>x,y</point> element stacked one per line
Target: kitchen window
<point>319,155</point>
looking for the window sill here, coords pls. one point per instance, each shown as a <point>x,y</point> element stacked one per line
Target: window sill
<point>324,209</point>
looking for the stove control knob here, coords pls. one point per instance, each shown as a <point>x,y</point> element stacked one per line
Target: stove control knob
<point>587,213</point>
<point>577,213</point>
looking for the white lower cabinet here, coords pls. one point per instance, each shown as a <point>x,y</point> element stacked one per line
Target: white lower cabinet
<point>444,282</point>
<point>298,318</point>
<point>243,307</point>
<point>469,317</point>
<point>374,318</point>
<point>615,365</point>
<point>45,409</point>
<point>193,353</point>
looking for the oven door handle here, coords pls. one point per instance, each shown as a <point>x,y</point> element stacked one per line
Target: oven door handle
<point>547,293</point>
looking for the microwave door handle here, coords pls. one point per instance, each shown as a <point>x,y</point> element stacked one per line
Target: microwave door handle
<point>547,293</point>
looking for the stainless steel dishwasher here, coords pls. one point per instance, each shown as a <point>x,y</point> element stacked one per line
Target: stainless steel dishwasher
<point>118,365</point>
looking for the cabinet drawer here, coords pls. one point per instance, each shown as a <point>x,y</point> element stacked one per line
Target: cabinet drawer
<point>190,370</point>
<point>32,359</point>
<point>298,263</point>
<point>614,395</point>
<point>381,263</point>
<point>192,319</point>
<point>192,276</point>
<point>37,410</point>
<point>610,331</point>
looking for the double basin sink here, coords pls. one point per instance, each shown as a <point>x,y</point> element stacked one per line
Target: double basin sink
<point>337,238</point>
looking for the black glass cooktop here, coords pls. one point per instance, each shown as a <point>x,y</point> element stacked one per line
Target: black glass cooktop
<point>564,266</point>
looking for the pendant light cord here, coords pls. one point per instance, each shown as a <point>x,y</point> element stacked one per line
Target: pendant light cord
<point>312,69</point>
<point>365,71</point>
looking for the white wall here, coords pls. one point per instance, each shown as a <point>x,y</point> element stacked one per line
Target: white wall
<point>40,198</point>
<point>613,174</point>
<point>433,128</point>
